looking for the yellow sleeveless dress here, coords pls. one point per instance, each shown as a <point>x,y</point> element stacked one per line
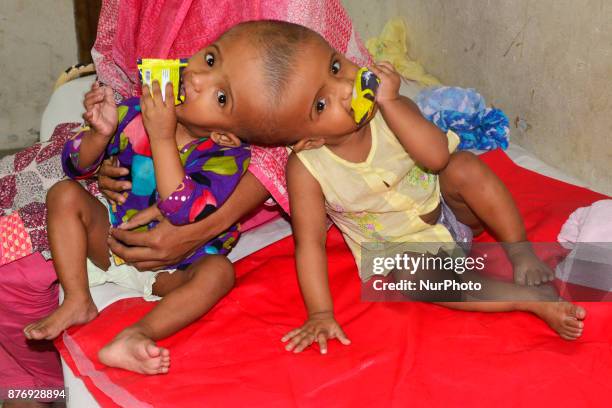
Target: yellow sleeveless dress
<point>380,199</point>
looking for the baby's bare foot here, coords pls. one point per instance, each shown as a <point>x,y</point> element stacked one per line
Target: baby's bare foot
<point>528,268</point>
<point>70,313</point>
<point>563,317</point>
<point>134,351</point>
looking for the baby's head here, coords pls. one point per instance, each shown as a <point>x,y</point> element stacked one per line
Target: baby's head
<point>236,85</point>
<point>305,89</point>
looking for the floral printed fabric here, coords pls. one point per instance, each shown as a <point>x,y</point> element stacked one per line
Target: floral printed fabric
<point>212,173</point>
<point>25,178</point>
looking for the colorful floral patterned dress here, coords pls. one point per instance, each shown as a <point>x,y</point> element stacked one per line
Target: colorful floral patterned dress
<point>212,172</point>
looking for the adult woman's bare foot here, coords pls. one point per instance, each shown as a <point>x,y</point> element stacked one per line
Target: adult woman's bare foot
<point>70,313</point>
<point>132,350</point>
<point>563,317</point>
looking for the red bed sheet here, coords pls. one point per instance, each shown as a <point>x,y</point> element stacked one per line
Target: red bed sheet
<point>402,354</point>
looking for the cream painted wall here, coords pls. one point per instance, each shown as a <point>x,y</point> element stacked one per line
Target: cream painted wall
<point>546,63</point>
<point>37,42</point>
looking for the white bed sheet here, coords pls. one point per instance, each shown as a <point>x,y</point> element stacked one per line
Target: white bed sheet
<point>65,105</point>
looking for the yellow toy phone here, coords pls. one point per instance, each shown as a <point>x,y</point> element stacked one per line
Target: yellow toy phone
<point>164,71</point>
<point>364,95</point>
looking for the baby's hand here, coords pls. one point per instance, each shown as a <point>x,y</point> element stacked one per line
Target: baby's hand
<point>100,111</point>
<point>390,82</point>
<point>158,116</point>
<point>319,327</point>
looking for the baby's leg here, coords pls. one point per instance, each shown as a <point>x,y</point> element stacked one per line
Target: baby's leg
<point>77,228</point>
<point>497,296</point>
<point>478,198</point>
<point>563,317</point>
<point>188,295</point>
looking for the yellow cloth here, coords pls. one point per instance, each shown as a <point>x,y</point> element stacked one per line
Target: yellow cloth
<point>392,46</point>
<point>381,198</point>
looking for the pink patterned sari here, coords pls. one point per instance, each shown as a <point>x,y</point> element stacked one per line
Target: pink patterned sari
<point>153,28</point>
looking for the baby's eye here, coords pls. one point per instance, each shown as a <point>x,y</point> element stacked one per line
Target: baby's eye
<point>221,98</point>
<point>320,105</point>
<point>335,67</point>
<point>210,59</point>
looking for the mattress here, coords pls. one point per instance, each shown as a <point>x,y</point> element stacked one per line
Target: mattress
<point>65,106</point>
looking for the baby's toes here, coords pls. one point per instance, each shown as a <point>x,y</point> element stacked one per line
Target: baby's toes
<point>152,350</point>
<point>533,278</point>
<point>572,323</point>
<point>153,365</point>
<point>578,312</point>
<point>520,277</point>
<point>568,335</point>
<point>546,274</point>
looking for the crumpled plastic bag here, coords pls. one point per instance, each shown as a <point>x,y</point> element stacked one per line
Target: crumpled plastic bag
<point>464,112</point>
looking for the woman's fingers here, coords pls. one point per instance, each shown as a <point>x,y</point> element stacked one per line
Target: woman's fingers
<point>133,239</point>
<point>113,196</point>
<point>142,217</point>
<point>152,265</point>
<point>118,186</point>
<point>109,186</point>
<point>111,168</point>
<point>130,252</point>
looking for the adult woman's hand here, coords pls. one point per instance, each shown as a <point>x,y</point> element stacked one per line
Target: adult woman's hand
<point>111,188</point>
<point>169,244</point>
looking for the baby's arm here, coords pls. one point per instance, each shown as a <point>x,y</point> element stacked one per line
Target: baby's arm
<point>424,142</point>
<point>308,219</point>
<point>191,192</point>
<point>159,119</point>
<point>83,154</point>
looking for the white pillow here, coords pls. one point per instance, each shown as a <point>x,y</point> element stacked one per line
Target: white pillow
<point>65,105</point>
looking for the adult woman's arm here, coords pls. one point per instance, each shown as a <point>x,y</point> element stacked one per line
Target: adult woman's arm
<point>168,244</point>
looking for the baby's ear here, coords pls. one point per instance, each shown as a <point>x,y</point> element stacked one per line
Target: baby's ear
<point>226,139</point>
<point>308,143</point>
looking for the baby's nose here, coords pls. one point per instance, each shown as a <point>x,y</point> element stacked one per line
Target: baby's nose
<point>346,88</point>
<point>196,78</point>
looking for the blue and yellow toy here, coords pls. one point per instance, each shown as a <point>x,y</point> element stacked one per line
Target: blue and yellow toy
<point>364,95</point>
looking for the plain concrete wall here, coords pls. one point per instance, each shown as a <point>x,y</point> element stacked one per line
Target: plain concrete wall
<point>546,63</point>
<point>37,42</point>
